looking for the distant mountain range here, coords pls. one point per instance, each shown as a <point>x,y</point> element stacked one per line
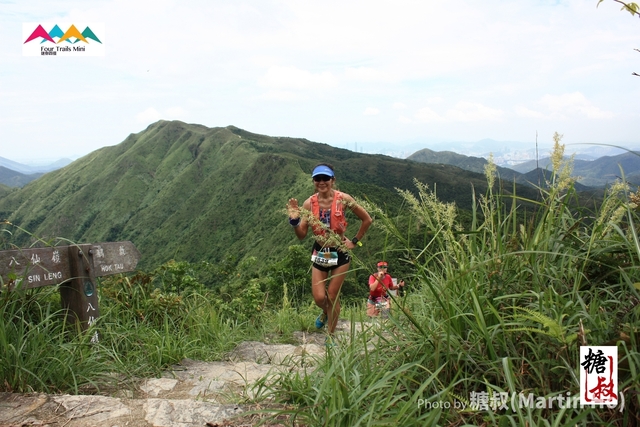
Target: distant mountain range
<point>505,153</point>
<point>595,173</point>
<point>14,174</point>
<point>185,191</point>
<point>30,169</point>
<point>589,171</point>
<point>12,178</point>
<point>470,163</point>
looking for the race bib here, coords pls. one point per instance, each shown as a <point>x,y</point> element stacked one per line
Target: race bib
<point>325,257</point>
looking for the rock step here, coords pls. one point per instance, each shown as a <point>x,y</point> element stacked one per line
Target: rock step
<point>193,393</point>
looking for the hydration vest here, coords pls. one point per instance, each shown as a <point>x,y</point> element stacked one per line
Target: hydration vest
<point>338,220</point>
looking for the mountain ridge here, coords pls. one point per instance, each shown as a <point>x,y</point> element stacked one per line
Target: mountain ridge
<point>595,173</point>
<point>471,163</point>
<point>30,169</point>
<point>426,155</point>
<point>197,193</point>
<point>599,172</point>
<point>14,174</point>
<point>11,178</point>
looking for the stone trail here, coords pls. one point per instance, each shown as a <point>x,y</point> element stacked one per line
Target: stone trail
<point>193,393</point>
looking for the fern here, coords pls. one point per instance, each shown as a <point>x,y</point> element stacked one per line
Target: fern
<point>550,327</point>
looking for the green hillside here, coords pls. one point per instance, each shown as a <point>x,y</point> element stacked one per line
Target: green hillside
<point>11,178</point>
<point>470,163</point>
<point>596,173</point>
<point>194,193</point>
<point>542,177</point>
<point>590,175</point>
<point>4,190</point>
<point>499,301</point>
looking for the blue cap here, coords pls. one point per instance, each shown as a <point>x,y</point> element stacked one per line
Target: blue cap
<point>322,170</point>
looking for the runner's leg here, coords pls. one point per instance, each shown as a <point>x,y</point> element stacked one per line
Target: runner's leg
<point>318,288</point>
<point>335,284</point>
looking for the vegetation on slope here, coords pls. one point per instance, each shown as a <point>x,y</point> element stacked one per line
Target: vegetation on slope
<point>470,163</point>
<point>596,173</point>
<point>4,190</point>
<point>191,193</point>
<point>499,306</point>
<point>11,178</point>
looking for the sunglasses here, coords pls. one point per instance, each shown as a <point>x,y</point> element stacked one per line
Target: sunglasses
<point>383,266</point>
<point>324,178</point>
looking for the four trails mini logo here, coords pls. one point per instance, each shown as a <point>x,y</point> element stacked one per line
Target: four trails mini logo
<point>62,39</point>
<point>599,375</point>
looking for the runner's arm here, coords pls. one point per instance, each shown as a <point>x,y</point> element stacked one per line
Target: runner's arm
<point>294,212</point>
<point>365,219</point>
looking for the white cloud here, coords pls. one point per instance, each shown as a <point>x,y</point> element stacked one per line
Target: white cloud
<point>148,115</point>
<point>523,111</point>
<point>573,104</point>
<point>371,111</point>
<point>301,68</point>
<point>463,111</point>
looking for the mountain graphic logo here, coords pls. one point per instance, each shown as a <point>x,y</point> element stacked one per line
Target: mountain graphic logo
<point>72,35</point>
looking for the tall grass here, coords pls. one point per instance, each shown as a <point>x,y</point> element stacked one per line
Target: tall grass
<point>502,308</point>
<point>38,351</point>
<point>141,332</point>
<point>500,303</point>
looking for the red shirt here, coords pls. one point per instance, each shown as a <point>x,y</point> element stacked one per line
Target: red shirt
<point>380,291</point>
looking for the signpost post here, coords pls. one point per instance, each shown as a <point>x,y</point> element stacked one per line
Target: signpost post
<point>74,267</point>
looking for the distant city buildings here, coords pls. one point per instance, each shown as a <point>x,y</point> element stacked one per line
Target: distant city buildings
<point>504,153</point>
<point>515,157</point>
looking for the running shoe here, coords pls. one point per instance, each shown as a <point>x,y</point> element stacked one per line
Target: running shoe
<point>321,320</point>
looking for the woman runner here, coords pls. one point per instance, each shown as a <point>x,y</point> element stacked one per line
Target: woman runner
<point>328,223</point>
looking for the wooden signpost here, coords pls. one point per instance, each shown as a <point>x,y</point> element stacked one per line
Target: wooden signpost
<point>74,267</point>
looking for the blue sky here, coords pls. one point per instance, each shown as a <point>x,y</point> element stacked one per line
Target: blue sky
<point>338,72</point>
